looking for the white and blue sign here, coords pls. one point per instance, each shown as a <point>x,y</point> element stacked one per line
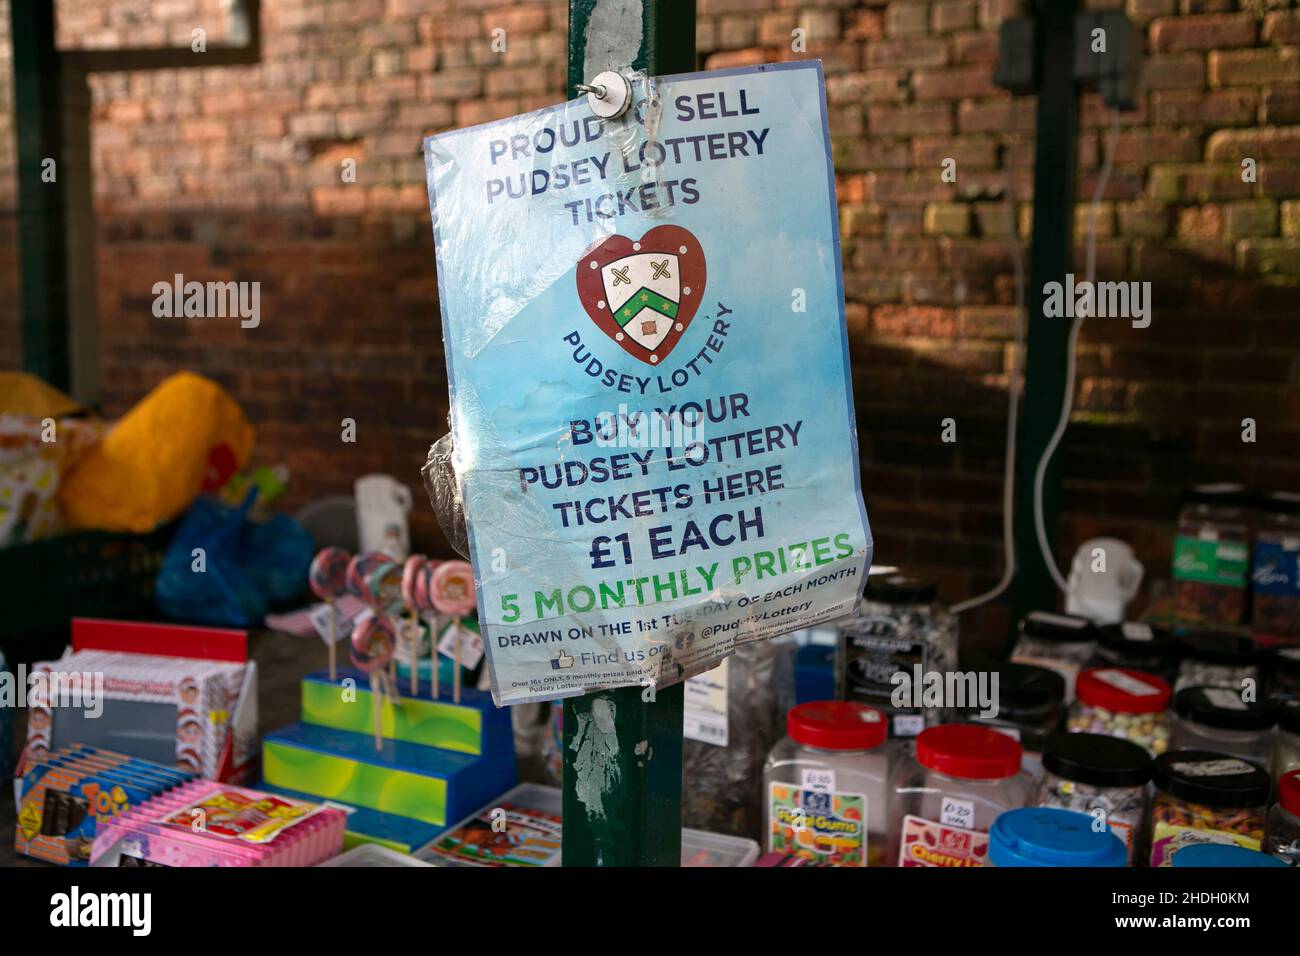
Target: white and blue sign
<point>650,393</point>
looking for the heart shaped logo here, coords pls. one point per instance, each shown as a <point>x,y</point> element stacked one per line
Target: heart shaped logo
<point>644,293</point>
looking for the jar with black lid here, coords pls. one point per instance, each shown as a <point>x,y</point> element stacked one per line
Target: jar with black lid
<point>1063,642</point>
<point>1218,719</point>
<point>1275,567</point>
<point>899,627</point>
<point>1031,706</point>
<point>1286,755</point>
<point>1206,797</point>
<point>1282,667</point>
<point>1136,645</point>
<point>1093,772</point>
<point>1217,659</point>
<point>1212,554</point>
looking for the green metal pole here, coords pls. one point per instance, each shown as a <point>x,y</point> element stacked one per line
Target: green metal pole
<point>622,751</point>
<point>42,205</point>
<point>1050,257</point>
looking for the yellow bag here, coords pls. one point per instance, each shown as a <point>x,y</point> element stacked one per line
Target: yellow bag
<point>186,436</point>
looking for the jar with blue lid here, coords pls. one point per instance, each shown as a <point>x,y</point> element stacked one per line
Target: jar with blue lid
<point>1047,837</point>
<point>1223,854</point>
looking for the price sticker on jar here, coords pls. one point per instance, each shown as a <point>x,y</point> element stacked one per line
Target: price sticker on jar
<point>819,781</point>
<point>957,813</point>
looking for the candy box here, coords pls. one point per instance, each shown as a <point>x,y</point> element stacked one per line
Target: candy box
<point>183,697</point>
<point>213,824</point>
<point>65,800</point>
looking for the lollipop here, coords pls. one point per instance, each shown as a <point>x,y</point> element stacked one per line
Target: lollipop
<point>452,588</point>
<point>372,648</point>
<point>360,572</point>
<point>328,579</point>
<point>412,574</point>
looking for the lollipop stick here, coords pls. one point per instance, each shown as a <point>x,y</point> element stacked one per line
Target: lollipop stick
<point>391,684</point>
<point>374,697</point>
<point>334,670</point>
<point>413,632</point>
<point>433,639</point>
<point>455,685</point>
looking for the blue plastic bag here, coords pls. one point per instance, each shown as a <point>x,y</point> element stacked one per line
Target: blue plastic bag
<point>225,570</point>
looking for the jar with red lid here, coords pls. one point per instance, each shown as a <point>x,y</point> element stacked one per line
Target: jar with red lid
<point>947,796</point>
<point>826,785</point>
<point>1282,826</point>
<point>1120,702</point>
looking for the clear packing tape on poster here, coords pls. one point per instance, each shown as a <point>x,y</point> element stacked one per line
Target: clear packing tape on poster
<point>653,455</point>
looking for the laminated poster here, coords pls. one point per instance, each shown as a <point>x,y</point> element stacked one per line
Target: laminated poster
<point>651,407</point>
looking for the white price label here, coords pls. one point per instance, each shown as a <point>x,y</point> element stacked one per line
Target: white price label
<point>1126,682</point>
<point>471,646</point>
<point>957,813</point>
<point>819,781</point>
<point>1225,698</point>
<point>1137,631</point>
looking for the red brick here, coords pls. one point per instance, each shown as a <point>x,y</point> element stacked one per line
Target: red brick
<point>1214,32</point>
<point>1249,67</point>
<point>907,18</point>
<point>953,84</point>
<point>929,118</point>
<point>1174,71</point>
<point>1282,27</point>
<point>949,15</point>
<point>1231,107</point>
<point>1259,144</point>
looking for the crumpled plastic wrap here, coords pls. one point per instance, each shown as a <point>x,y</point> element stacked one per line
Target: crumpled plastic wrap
<point>602,558</point>
<point>439,476</point>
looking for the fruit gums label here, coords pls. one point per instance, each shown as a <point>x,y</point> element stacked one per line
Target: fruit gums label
<point>827,828</point>
<point>1169,838</point>
<point>926,843</point>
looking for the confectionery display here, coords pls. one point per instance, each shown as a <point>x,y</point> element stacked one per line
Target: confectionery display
<point>1123,703</point>
<point>1101,776</point>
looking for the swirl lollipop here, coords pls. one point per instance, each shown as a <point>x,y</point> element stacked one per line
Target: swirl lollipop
<point>327,577</point>
<point>412,574</point>
<point>452,587</point>
<point>372,648</point>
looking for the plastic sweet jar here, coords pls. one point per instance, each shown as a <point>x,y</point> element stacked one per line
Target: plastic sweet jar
<point>1206,797</point>
<point>827,785</point>
<point>900,626</point>
<point>1138,646</point>
<point>1212,554</point>
<point>1282,828</point>
<point>1030,707</point>
<point>1217,659</point>
<point>1043,837</point>
<point>947,796</point>
<point>1123,703</point>
<point>1275,567</point>
<point>1063,642</point>
<point>1282,667</point>
<point>1286,752</point>
<point>1218,719</point>
<point>1103,777</point>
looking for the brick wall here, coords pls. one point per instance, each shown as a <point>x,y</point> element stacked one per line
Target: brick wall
<point>234,173</point>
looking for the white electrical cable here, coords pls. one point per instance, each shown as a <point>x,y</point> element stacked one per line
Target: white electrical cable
<point>1067,402</point>
<point>1013,404</point>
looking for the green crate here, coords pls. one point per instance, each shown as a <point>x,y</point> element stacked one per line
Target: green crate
<point>45,584</point>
